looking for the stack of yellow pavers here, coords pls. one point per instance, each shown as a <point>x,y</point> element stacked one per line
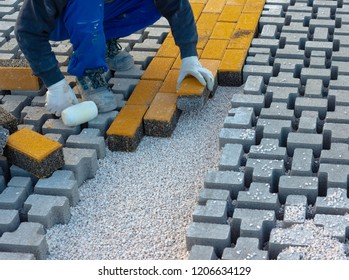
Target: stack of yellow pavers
<point>226,29</point>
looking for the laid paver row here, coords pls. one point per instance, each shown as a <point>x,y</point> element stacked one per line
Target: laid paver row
<point>284,147</point>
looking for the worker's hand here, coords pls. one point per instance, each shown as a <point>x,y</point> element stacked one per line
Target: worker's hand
<point>192,66</point>
<point>60,96</point>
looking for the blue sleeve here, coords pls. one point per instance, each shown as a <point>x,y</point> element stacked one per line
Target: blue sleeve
<point>181,19</point>
<point>35,22</point>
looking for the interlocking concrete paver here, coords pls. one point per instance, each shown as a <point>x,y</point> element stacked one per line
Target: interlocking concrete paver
<point>295,210</point>
<point>246,248</point>
<point>214,211</point>
<point>200,252</point>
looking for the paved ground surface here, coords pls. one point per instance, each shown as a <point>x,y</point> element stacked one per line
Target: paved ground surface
<point>279,187</point>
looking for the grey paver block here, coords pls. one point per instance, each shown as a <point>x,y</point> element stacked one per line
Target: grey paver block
<point>254,85</point>
<point>335,202</point>
<point>314,88</point>
<point>246,248</point>
<point>333,176</point>
<point>134,73</point>
<point>206,194</point>
<point>288,256</point>
<point>143,58</point>
<point>248,100</point>
<point>340,115</point>
<point>253,223</point>
<point>336,225</point>
<point>290,52</point>
<point>289,65</point>
<point>269,31</point>
<point>264,171</point>
<point>13,198</point>
<point>20,172</point>
<point>311,104</point>
<point>246,137</point>
<point>336,133</point>
<point>56,137</point>
<point>9,220</point>
<point>215,235</point>
<point>225,180</point>
<point>231,157</point>
<point>285,79</point>
<point>327,47</point>
<point>123,86</point>
<point>21,182</point>
<point>338,154</point>
<point>295,210</point>
<point>297,39</point>
<point>14,104</point>
<point>103,121</point>
<point>200,252</point>
<point>278,111</point>
<point>60,183</point>
<point>278,22</point>
<point>309,122</point>
<point>268,149</point>
<point>306,141</point>
<point>298,185</point>
<point>47,210</point>
<point>258,196</point>
<point>28,238</point>
<point>326,23</point>
<point>240,117</point>
<point>57,126</point>
<point>257,70</point>
<point>315,73</point>
<point>16,256</point>
<point>302,162</point>
<point>83,162</point>
<point>269,128</point>
<point>283,94</point>
<point>342,67</point>
<point>214,211</point>
<point>258,59</point>
<point>89,138</point>
<point>272,44</point>
<point>35,116</point>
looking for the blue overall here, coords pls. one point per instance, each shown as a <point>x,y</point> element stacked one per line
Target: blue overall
<point>89,23</point>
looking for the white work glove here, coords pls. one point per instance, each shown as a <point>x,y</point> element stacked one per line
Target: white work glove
<point>60,96</point>
<point>192,66</point>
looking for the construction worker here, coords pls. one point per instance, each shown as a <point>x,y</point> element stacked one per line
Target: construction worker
<point>93,27</point>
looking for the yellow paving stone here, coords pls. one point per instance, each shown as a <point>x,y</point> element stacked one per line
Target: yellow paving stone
<point>203,37</point>
<point>207,21</point>
<point>223,30</point>
<point>241,39</point>
<point>198,1</point>
<point>230,69</point>
<point>169,85</point>
<point>144,92</point>
<point>128,121</point>
<point>33,144</point>
<point>248,21</point>
<point>18,78</point>
<point>162,115</point>
<point>214,6</point>
<point>158,68</point>
<point>231,13</point>
<point>236,2</point>
<point>254,6</point>
<point>197,9</point>
<point>214,49</point>
<point>168,48</point>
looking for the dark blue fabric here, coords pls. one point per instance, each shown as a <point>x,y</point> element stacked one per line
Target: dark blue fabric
<point>89,25</point>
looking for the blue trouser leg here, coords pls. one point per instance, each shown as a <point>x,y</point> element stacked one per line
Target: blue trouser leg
<point>87,23</point>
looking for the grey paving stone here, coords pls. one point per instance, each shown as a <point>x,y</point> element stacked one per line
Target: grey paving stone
<point>289,65</point>
<point>309,122</point>
<point>214,211</point>
<point>290,52</point>
<point>298,185</point>
<point>295,210</point>
<point>258,59</point>
<point>38,101</point>
<point>240,117</point>
<point>335,202</point>
<point>311,104</point>
<point>9,220</point>
<point>14,104</point>
<point>285,79</point>
<point>28,238</point>
<point>297,39</point>
<point>272,10</point>
<point>318,63</point>
<point>283,94</point>
<point>206,194</point>
<point>157,32</point>
<point>6,27</point>
<point>276,129</point>
<point>252,223</point>
<point>246,137</point>
<point>103,121</point>
<point>302,162</point>
<point>336,133</point>
<point>314,88</point>
<point>35,116</point>
<point>299,16</point>
<point>306,141</point>
<point>254,85</point>
<point>16,256</point>
<point>288,256</point>
<point>338,154</point>
<point>277,22</point>
<point>315,73</point>
<point>321,35</point>
<point>252,51</point>
<point>134,73</point>
<point>225,180</point>
<point>21,182</point>
<point>142,58</point>
<point>231,157</point>
<point>326,23</point>
<point>258,196</point>
<point>319,5</point>
<point>60,183</point>
<point>340,115</point>
<point>57,126</point>
<point>268,149</point>
<point>200,252</point>
<point>332,176</point>
<point>257,70</point>
<point>215,235</point>
<point>89,138</point>
<point>272,44</point>
<point>123,86</point>
<point>327,47</point>
<point>246,248</point>
<point>278,111</point>
<point>341,55</point>
<point>248,100</point>
<point>12,198</point>
<point>56,137</point>
<point>47,210</point>
<point>83,162</point>
<point>20,172</point>
<point>269,31</point>
<point>147,45</point>
<point>264,171</point>
<point>336,225</point>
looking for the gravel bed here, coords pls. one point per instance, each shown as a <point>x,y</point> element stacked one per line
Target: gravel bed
<point>139,204</point>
